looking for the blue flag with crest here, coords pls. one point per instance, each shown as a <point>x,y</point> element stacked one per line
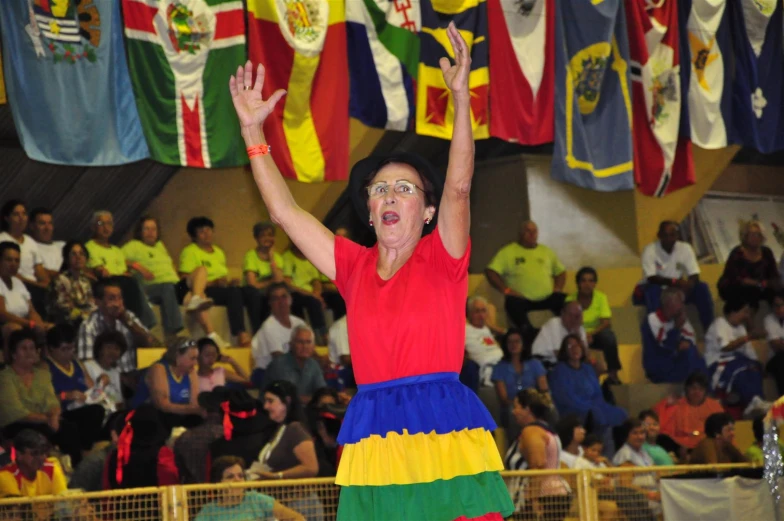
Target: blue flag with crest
<point>67,82</point>
<point>593,113</point>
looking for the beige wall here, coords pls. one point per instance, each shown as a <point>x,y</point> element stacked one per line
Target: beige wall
<point>751,179</point>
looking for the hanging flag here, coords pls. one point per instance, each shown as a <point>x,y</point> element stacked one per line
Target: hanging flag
<point>67,82</point>
<point>593,140</point>
<point>3,99</point>
<point>302,44</point>
<point>383,58</point>
<point>181,54</point>
<point>435,107</point>
<point>656,96</point>
<point>522,74</point>
<point>709,85</point>
<point>757,111</point>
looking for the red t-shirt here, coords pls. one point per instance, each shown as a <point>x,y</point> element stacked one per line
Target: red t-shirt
<point>411,324</point>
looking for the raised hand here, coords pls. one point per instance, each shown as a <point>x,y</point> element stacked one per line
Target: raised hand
<point>251,109</point>
<point>456,76</point>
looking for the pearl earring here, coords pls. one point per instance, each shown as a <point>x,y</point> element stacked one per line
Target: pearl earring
<point>370,221</point>
<point>427,221</point>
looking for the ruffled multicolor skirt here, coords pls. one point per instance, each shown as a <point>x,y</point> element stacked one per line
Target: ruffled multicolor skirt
<point>420,448</point>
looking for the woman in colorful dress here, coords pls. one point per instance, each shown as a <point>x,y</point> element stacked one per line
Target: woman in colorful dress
<point>417,443</point>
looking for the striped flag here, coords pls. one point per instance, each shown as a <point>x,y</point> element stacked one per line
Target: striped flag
<point>758,111</point>
<point>3,99</point>
<point>181,54</point>
<point>383,58</point>
<point>593,120</point>
<point>710,86</point>
<point>435,107</point>
<point>522,73</point>
<point>67,82</point>
<point>302,44</point>
<point>654,49</point>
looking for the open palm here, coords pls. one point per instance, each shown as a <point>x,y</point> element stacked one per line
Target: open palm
<point>252,109</point>
<point>456,76</point>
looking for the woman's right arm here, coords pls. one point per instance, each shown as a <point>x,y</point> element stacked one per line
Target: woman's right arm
<point>312,237</point>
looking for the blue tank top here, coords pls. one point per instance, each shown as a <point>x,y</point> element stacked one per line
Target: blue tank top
<point>179,390</point>
<point>64,380</point>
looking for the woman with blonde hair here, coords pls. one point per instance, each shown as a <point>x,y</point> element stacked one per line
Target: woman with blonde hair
<point>750,273</point>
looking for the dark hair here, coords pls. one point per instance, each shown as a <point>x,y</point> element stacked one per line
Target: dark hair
<point>30,439</point>
<point>648,413</point>
<point>222,463</point>
<point>734,305</point>
<point>263,226</point>
<point>696,378</point>
<point>7,210</point>
<point>628,426</point>
<point>198,222</point>
<point>287,392</point>
<point>321,392</point>
<point>100,288</point>
<point>565,428</point>
<point>9,245</point>
<point>137,232</point>
<point>107,338</point>
<point>67,247</point>
<point>716,422</point>
<point>427,186</point>
<point>60,334</point>
<point>563,352</point>
<point>758,427</point>
<point>205,342</point>
<point>39,211</point>
<point>526,353</point>
<point>276,286</point>
<point>16,338</point>
<point>178,347</point>
<point>585,270</point>
<point>591,440</point>
<point>530,398</point>
<point>664,224</point>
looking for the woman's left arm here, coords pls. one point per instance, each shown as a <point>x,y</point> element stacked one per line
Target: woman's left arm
<point>454,218</point>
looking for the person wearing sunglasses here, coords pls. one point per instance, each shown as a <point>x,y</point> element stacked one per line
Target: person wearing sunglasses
<point>405,299</point>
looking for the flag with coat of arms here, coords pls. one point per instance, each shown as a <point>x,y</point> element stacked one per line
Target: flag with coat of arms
<point>593,113</point>
<point>435,107</point>
<point>302,44</point>
<point>67,82</point>
<point>181,55</point>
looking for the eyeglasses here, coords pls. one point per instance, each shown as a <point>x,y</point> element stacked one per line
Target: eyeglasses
<point>381,189</point>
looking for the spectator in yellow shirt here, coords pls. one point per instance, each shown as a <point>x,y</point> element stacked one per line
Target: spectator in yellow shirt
<point>33,473</point>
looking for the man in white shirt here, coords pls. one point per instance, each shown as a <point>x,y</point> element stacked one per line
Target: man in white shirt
<point>42,230</point>
<point>340,352</point>
<point>480,343</point>
<point>548,341</point>
<point>671,262</point>
<point>272,338</point>
<point>774,331</point>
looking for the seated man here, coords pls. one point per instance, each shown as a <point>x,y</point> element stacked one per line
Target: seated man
<point>718,446</point>
<point>111,315</point>
<point>298,365</point>
<point>548,341</point>
<point>33,473</point>
<point>529,275</point>
<point>482,349</point>
<point>341,373</point>
<point>669,351</point>
<point>50,251</point>
<point>272,338</point>
<point>670,262</point>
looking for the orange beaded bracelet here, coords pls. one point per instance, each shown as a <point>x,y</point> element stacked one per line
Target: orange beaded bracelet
<point>259,150</point>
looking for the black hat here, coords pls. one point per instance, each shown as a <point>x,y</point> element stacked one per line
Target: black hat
<point>242,414</point>
<point>362,171</point>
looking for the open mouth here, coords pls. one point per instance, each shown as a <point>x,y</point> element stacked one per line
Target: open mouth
<point>389,218</point>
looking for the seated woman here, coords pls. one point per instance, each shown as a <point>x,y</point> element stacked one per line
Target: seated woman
<point>222,290</point>
<point>28,399</point>
<point>147,255</point>
<point>576,390</point>
<point>210,376</point>
<point>171,385</point>
<point>241,503</point>
<point>571,432</point>
<point>735,372</point>
<point>632,454</point>
<point>596,319</point>
<point>516,371</point>
<point>655,441</point>
<point>288,451</point>
<point>70,299</point>
<point>683,419</point>
<point>750,273</point>
<point>261,266</point>
<point>71,381</point>
<point>142,458</point>
<point>108,348</point>
<point>16,307</point>
<point>718,445</point>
